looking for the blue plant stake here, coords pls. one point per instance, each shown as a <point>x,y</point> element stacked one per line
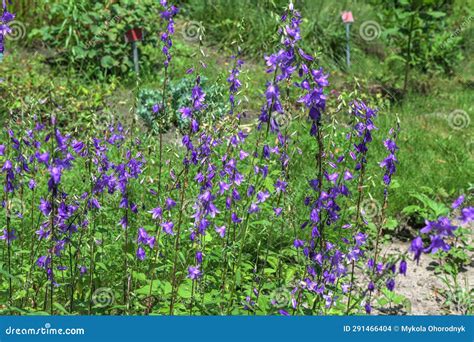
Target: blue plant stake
<point>348,47</point>
<point>133,36</point>
<point>347,18</point>
<point>135,58</point>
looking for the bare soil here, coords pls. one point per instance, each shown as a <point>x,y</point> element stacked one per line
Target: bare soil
<point>423,287</point>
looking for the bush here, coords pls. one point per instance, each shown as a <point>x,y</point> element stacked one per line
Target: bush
<point>89,35</point>
<point>179,91</point>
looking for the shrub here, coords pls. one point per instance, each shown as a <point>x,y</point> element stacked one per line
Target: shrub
<point>90,35</point>
<point>179,93</point>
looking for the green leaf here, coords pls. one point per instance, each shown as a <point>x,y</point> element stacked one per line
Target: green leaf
<point>61,308</point>
<point>260,223</point>
<point>6,274</point>
<point>79,52</point>
<point>269,184</point>
<point>107,62</point>
<point>208,238</point>
<point>290,274</point>
<point>395,184</point>
<point>102,266</point>
<point>184,290</point>
<point>391,223</point>
<point>38,313</point>
<point>166,286</point>
<point>139,276</point>
<point>411,209</point>
<point>238,277</point>
<point>436,14</point>
<point>145,290</point>
<point>19,294</point>
<point>268,270</point>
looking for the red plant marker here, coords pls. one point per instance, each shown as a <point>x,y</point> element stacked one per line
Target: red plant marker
<point>134,35</point>
<point>347,17</point>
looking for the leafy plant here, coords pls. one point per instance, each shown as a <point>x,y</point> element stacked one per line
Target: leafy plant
<point>180,90</point>
<point>90,35</point>
<point>411,23</point>
<point>30,87</point>
<point>427,209</point>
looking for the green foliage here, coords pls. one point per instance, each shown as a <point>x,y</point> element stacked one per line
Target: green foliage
<point>231,22</point>
<point>408,26</point>
<point>428,209</point>
<point>179,91</point>
<point>90,35</point>
<point>30,87</point>
<point>394,301</point>
<point>458,296</point>
<point>429,36</point>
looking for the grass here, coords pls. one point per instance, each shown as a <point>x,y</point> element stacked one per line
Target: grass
<point>433,154</point>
